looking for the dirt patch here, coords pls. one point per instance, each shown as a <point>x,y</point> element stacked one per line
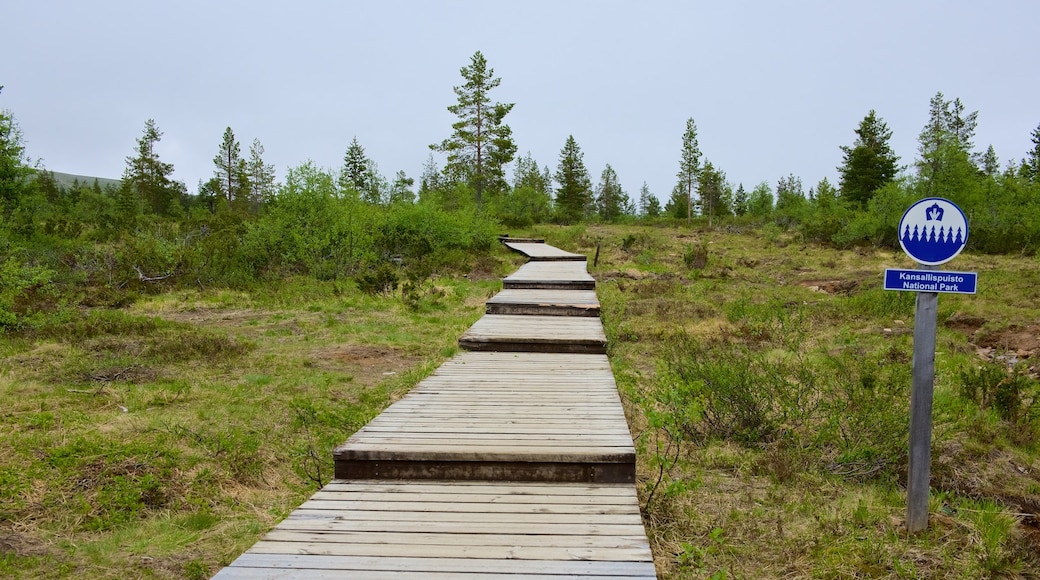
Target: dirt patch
<point>367,364</point>
<point>1022,341</point>
<point>12,542</point>
<point>965,323</point>
<point>843,287</point>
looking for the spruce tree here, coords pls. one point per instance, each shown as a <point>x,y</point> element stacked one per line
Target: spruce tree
<point>611,201</point>
<point>1031,164</point>
<point>355,173</point>
<point>740,201</point>
<point>574,193</point>
<point>870,163</point>
<point>482,144</point>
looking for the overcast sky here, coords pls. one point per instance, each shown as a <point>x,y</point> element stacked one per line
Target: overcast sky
<point>774,87</point>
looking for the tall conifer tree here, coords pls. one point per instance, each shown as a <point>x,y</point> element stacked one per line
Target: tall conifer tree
<point>870,163</point>
<point>574,193</point>
<point>482,144</point>
<point>689,165</point>
<point>228,162</point>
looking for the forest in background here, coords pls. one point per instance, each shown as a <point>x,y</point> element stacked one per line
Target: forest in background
<point>63,245</point>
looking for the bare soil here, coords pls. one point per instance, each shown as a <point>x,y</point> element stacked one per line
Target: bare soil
<point>367,364</point>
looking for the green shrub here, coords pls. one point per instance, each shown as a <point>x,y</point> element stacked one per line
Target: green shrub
<point>1007,390</point>
<point>27,294</point>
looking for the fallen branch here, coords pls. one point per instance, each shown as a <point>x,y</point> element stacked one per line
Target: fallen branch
<point>142,277</point>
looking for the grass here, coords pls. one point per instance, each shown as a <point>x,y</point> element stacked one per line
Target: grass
<point>163,439</point>
<point>765,382</point>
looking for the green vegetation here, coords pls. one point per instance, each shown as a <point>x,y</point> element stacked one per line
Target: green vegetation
<point>163,438</point>
<point>177,367</point>
<point>766,383</point>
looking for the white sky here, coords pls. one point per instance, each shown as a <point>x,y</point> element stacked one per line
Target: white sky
<point>775,87</point>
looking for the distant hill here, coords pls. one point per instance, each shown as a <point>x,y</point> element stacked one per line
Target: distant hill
<point>67,179</point>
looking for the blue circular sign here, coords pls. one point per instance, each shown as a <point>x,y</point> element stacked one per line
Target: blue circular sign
<point>933,231</point>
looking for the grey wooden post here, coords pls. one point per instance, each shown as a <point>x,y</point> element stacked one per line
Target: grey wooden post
<point>917,482</point>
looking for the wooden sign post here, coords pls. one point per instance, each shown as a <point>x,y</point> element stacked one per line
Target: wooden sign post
<point>932,232</point>
<point>919,473</point>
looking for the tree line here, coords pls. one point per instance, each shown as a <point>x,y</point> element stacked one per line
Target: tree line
<point>244,225</point>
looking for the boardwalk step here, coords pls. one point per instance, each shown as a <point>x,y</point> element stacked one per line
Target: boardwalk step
<point>500,416</point>
<point>562,334</point>
<point>420,529</point>
<point>551,276</point>
<point>544,302</point>
<point>541,252</point>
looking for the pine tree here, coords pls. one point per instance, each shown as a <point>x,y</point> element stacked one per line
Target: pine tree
<point>611,201</point>
<point>947,166</point>
<point>401,189</point>
<point>689,165</point>
<point>481,145</point>
<point>644,199</point>
<point>146,179</point>
<point>574,193</point>
<point>711,187</point>
<point>260,175</point>
<point>869,163</point>
<point>228,162</point>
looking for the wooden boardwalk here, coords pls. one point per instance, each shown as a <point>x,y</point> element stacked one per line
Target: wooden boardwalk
<point>503,463</point>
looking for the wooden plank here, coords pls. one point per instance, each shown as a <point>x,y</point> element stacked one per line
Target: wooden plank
<point>403,539</point>
<point>543,302</point>
<point>544,252</point>
<point>556,569</point>
<point>326,546</point>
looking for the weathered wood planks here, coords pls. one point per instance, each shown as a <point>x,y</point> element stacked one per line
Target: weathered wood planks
<point>500,415</point>
<point>512,460</point>
<point>419,529</point>
<point>539,252</point>
<point>562,334</point>
<point>551,276</point>
<point>544,302</point>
